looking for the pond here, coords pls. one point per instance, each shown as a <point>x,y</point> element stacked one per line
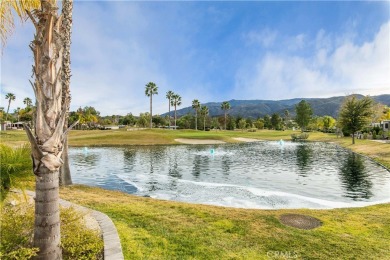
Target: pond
<point>267,175</point>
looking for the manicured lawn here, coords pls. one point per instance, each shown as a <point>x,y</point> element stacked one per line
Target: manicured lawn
<point>157,229</point>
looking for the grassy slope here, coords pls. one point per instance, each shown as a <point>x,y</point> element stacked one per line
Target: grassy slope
<point>156,229</point>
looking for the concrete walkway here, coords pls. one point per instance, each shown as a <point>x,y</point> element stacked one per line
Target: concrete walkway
<point>112,244</point>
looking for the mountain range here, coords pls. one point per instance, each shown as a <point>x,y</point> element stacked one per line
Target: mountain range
<point>260,108</point>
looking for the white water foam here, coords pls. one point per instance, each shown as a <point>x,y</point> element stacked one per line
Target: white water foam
<point>216,194</point>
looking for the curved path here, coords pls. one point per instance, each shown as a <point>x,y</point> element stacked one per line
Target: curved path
<point>112,244</point>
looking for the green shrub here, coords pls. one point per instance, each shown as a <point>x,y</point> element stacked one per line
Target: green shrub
<point>374,135</point>
<point>17,228</point>
<point>78,241</point>
<point>252,130</point>
<point>14,163</point>
<point>299,137</point>
<point>380,134</point>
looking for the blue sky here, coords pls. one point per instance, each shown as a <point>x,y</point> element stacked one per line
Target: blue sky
<point>213,51</point>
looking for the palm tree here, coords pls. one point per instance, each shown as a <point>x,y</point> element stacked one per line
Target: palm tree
<point>28,102</point>
<point>10,97</point>
<point>225,106</point>
<point>150,90</point>
<point>50,127</point>
<point>204,111</point>
<point>17,112</point>
<point>51,112</point>
<point>196,106</point>
<point>169,97</point>
<point>176,101</point>
<point>67,10</point>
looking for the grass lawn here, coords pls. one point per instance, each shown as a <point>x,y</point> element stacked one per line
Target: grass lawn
<point>157,229</point>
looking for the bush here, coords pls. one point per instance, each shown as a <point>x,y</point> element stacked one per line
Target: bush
<point>252,130</point>
<point>299,137</point>
<point>78,241</point>
<point>17,228</point>
<point>374,135</point>
<point>14,163</point>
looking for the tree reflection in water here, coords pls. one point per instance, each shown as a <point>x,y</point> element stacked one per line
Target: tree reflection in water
<point>197,165</point>
<point>304,159</point>
<point>354,178</point>
<point>226,162</point>
<point>87,158</point>
<point>129,156</point>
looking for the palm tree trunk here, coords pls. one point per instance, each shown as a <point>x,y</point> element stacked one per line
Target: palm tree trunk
<point>65,177</point>
<point>47,214</point>
<point>169,113</point>
<point>9,103</point>
<point>48,142</point>
<point>196,119</point>
<point>67,9</point>
<point>353,138</point>
<point>175,116</point>
<point>225,120</point>
<point>151,111</point>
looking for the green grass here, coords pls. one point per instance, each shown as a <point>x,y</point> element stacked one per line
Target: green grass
<point>157,229</point>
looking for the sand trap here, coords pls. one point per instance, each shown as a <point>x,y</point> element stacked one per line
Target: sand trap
<point>198,141</point>
<point>246,140</point>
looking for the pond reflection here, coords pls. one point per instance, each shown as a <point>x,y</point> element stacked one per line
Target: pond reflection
<point>257,175</point>
<point>197,165</point>
<point>87,158</point>
<point>174,170</point>
<point>355,178</point>
<point>304,159</point>
<point>226,162</point>
<point>129,156</point>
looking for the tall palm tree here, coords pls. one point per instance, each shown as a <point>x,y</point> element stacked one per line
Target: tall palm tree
<point>150,90</point>
<point>48,142</point>
<point>10,97</point>
<point>67,22</point>
<point>176,101</point>
<point>169,97</point>
<point>204,111</point>
<point>27,101</point>
<point>225,106</point>
<point>17,112</point>
<point>196,106</point>
<point>50,127</point>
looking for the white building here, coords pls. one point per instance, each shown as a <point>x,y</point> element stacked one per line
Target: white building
<point>385,125</point>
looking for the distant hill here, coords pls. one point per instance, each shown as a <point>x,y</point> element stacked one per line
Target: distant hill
<point>259,108</point>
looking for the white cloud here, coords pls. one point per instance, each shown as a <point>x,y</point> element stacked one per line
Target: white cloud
<point>349,68</point>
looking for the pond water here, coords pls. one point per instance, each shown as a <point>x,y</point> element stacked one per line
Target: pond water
<point>267,175</point>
